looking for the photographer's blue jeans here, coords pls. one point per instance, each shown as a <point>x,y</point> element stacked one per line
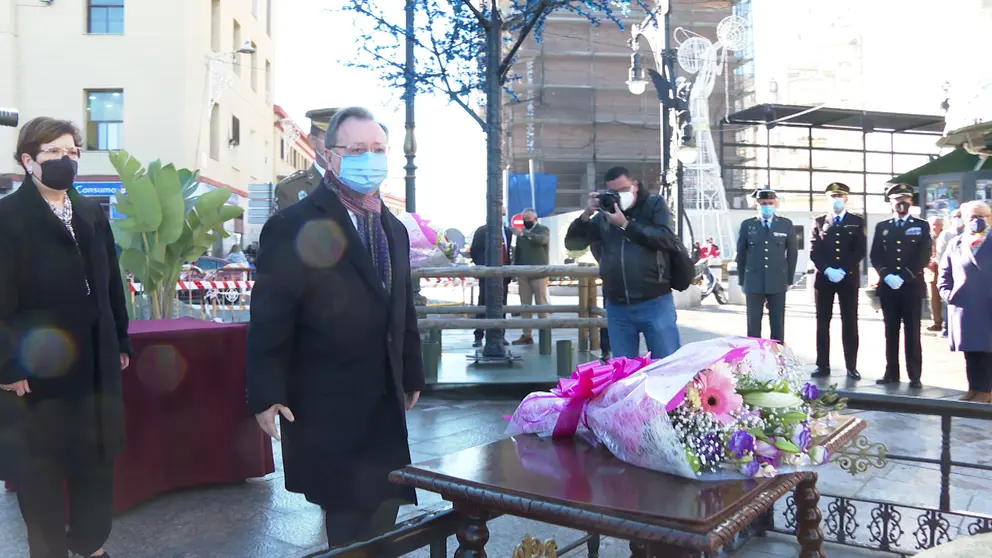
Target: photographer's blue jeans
<point>655,318</point>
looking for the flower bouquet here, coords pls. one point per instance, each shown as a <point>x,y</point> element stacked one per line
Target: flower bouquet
<point>717,409</point>
<point>428,247</point>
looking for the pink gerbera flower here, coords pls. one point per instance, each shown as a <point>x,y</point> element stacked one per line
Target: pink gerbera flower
<point>718,397</point>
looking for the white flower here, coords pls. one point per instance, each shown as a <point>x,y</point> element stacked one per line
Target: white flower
<point>766,470</point>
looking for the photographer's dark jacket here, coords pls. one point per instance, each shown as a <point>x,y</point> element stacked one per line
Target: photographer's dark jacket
<point>633,263</point>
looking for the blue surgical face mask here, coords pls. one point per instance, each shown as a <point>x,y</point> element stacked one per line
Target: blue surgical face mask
<point>958,223</point>
<point>978,225</point>
<point>363,173</point>
<point>838,204</point>
<point>767,211</point>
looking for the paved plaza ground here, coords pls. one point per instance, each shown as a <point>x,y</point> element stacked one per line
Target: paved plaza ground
<point>260,519</point>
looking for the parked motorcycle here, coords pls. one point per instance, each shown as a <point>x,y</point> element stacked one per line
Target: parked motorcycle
<point>708,283</point>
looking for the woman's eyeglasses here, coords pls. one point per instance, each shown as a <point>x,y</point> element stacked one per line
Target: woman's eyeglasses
<point>59,152</point>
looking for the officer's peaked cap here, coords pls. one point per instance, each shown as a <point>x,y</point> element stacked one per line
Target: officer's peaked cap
<point>899,190</point>
<point>764,194</point>
<point>837,188</point>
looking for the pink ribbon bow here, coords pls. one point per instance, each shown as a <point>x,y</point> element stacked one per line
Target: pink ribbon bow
<point>588,381</point>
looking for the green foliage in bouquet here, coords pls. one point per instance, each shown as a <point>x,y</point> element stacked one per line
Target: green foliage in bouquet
<point>165,224</point>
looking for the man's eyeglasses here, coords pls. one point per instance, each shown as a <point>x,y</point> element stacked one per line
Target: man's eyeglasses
<point>362,149</point>
<point>59,152</point>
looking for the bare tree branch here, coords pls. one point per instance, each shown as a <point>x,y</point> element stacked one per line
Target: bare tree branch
<point>504,67</point>
<point>448,89</point>
<point>478,15</point>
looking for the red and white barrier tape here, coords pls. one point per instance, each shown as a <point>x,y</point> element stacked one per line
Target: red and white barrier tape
<point>205,286</point>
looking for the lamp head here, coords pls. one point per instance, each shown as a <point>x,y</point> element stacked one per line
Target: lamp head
<point>247,48</point>
<point>635,81</point>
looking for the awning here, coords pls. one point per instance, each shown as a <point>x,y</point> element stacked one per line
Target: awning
<point>958,160</point>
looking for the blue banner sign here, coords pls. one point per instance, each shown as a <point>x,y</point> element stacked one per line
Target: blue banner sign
<point>97,189</point>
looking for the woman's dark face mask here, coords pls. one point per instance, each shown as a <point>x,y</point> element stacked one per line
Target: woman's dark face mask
<point>59,174</point>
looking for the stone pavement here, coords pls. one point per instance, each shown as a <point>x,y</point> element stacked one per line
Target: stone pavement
<point>260,519</point>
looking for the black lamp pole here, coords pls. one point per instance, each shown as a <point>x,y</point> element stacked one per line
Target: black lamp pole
<point>410,142</point>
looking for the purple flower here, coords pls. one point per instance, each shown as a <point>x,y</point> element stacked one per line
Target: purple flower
<point>766,452</point>
<point>801,436</point>
<point>740,443</point>
<point>810,392</point>
<point>749,469</point>
<point>709,448</point>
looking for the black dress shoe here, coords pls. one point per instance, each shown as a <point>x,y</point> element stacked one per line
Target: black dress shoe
<point>916,384</point>
<point>884,381</point>
<point>854,374</point>
<point>477,344</point>
<point>821,373</point>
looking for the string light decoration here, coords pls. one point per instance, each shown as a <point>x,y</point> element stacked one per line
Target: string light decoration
<point>704,194</point>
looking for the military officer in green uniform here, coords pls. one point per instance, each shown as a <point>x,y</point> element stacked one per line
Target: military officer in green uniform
<point>298,185</point>
<point>837,245</point>
<point>900,249</point>
<point>767,251</point>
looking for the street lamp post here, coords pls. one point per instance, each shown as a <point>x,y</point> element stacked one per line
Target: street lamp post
<point>410,143</point>
<point>658,39</point>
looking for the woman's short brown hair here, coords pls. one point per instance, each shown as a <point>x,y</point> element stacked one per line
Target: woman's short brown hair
<point>43,130</point>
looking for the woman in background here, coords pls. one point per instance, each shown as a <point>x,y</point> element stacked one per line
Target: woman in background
<point>63,344</point>
<point>964,284</point>
<point>237,256</point>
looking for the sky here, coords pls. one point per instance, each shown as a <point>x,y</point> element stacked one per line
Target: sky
<point>907,58</point>
<point>451,175</point>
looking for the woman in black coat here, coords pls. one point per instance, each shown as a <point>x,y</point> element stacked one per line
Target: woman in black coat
<point>63,344</point>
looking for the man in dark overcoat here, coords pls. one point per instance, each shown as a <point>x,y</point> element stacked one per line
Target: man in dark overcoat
<point>900,250</point>
<point>333,345</point>
<point>837,246</point>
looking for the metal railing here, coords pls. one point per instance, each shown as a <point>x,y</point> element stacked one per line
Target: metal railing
<point>881,525</point>
<point>590,317</point>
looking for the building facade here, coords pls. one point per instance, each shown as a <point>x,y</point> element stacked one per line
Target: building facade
<point>292,150</point>
<point>573,114</point>
<point>162,80</point>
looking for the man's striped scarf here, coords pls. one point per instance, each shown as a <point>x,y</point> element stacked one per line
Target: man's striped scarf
<point>368,209</point>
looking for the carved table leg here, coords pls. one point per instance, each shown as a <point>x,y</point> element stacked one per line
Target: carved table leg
<point>808,518</point>
<point>640,549</point>
<point>473,534</point>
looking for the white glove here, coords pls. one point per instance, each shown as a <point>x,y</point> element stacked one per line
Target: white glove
<point>835,275</point>
<point>893,281</point>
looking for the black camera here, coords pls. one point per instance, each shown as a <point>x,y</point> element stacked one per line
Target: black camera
<point>608,200</point>
<point>8,117</point>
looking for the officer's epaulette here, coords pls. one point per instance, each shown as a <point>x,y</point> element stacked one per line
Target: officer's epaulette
<point>292,177</point>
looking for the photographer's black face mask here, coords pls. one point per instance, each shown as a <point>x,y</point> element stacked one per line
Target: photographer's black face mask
<point>902,208</point>
<point>59,173</point>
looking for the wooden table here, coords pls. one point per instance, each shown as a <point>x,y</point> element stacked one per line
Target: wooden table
<point>570,483</point>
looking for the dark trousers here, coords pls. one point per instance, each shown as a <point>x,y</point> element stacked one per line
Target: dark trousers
<point>483,287</point>
<point>978,366</point>
<point>604,341</point>
<point>776,314</point>
<point>903,311</point>
<point>847,294</point>
<point>347,527</point>
<point>41,492</point>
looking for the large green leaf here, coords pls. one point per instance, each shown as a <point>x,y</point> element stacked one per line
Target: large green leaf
<point>169,189</point>
<point>148,210</point>
<point>134,260</point>
<point>125,239</point>
<point>229,212</point>
<point>209,203</point>
<point>127,167</point>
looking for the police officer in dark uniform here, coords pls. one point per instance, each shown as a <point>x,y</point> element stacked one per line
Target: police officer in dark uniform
<point>300,184</point>
<point>837,245</point>
<point>767,250</point>
<point>899,252</point>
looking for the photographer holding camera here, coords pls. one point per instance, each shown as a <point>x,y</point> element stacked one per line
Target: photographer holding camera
<point>633,228</point>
